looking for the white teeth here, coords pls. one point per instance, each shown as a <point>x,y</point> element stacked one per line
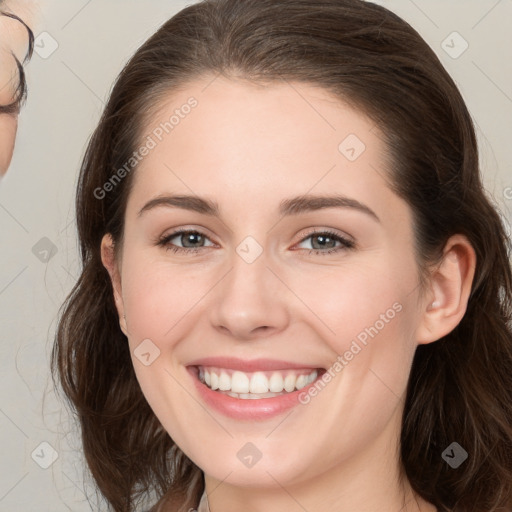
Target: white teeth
<point>214,381</point>
<point>275,382</point>
<point>301,381</point>
<point>257,384</point>
<point>239,383</point>
<point>251,396</point>
<point>289,383</point>
<point>224,382</point>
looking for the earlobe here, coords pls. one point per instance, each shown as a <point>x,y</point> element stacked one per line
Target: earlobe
<point>111,264</point>
<point>451,283</point>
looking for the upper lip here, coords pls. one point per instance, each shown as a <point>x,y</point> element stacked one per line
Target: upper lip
<point>252,365</point>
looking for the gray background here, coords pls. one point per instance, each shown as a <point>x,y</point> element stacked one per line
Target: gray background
<point>67,91</point>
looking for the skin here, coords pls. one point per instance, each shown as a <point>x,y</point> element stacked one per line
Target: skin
<point>8,129</point>
<point>249,147</point>
<point>13,40</point>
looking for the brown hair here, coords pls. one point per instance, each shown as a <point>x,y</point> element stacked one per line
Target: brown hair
<point>460,387</point>
<point>20,93</point>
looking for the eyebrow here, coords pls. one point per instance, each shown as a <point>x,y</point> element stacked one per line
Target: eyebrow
<point>292,206</point>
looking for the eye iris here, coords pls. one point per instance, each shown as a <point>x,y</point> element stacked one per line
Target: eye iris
<point>322,239</point>
<point>189,237</point>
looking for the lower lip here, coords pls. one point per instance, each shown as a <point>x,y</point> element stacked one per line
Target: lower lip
<point>248,409</point>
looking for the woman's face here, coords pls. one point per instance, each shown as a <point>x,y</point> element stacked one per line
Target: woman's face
<point>258,284</point>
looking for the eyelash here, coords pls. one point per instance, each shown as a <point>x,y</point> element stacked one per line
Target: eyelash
<point>346,244</point>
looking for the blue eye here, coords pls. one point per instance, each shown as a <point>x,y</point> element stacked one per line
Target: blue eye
<point>186,237</point>
<point>325,240</point>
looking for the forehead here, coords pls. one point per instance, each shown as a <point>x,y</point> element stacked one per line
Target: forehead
<point>263,142</point>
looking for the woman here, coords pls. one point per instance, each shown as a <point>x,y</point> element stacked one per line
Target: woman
<point>295,293</point>
<point>16,47</point>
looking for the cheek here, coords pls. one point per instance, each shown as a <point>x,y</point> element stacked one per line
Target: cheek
<point>159,298</point>
<point>349,300</point>
<point>366,315</point>
<point>8,127</point>
<point>159,307</point>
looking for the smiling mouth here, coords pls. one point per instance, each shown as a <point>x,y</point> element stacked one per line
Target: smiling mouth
<point>256,385</point>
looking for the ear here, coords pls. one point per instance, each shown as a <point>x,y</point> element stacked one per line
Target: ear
<point>111,264</point>
<point>446,303</point>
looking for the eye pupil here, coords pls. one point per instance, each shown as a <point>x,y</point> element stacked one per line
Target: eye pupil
<point>322,239</point>
<point>189,237</point>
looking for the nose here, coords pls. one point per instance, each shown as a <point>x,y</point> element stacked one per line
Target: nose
<point>250,301</point>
